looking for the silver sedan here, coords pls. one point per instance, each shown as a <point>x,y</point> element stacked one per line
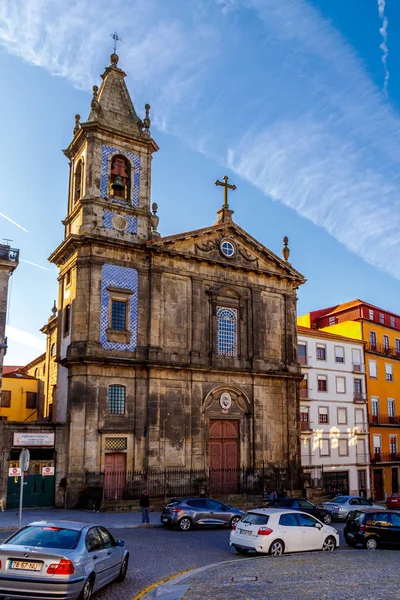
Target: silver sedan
<point>341,506</point>
<point>62,559</point>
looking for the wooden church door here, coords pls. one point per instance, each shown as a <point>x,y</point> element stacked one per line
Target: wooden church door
<point>224,457</point>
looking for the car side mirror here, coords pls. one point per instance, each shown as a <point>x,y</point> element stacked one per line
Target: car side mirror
<point>120,543</point>
<point>318,525</point>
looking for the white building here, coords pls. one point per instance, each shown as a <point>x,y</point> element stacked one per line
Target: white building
<point>333,411</point>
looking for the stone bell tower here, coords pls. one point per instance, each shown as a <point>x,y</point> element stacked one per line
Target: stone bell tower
<point>108,223</point>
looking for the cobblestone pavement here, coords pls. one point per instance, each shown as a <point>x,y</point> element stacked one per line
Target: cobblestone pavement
<point>346,574</point>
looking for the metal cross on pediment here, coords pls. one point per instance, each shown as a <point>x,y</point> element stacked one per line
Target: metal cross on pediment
<point>116,39</point>
<point>225,185</point>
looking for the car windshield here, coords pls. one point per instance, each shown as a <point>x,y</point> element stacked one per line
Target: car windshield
<point>255,519</point>
<point>46,537</point>
<point>340,500</point>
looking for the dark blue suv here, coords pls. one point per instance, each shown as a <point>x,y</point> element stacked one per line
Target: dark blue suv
<point>373,528</point>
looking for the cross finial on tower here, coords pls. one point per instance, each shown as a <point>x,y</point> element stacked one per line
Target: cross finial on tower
<point>225,185</point>
<point>116,39</point>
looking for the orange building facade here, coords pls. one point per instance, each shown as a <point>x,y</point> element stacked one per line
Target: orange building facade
<point>380,330</point>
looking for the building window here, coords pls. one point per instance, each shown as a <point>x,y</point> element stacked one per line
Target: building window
<point>331,321</point>
<point>120,180</point>
<point>393,446</point>
<point>389,372</point>
<point>324,449</point>
<point>391,409</point>
<point>339,354</point>
<point>67,318</point>
<point>68,278</point>
<point>322,383</point>
<point>397,343</point>
<point>227,331</point>
<point>323,414</point>
<point>374,410</point>
<point>302,353</point>
<point>341,385</point>
<point>31,400</point>
<point>372,340</point>
<point>53,350</point>
<point>373,372</point>
<point>385,339</point>
<point>342,416</point>
<point>357,386</point>
<point>116,399</point>
<point>116,443</point>
<point>321,352</point>
<point>78,181</point>
<point>392,321</point>
<point>381,318</point>
<point>371,315</point>
<point>5,399</point>
<point>36,372</point>
<point>227,248</point>
<point>118,315</point>
<point>304,418</point>
<point>343,448</point>
<point>377,446</point>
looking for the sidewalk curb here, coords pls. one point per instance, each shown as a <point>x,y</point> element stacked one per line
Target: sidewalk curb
<point>163,587</point>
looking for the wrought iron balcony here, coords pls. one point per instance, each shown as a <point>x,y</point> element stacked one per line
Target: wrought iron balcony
<point>362,458</point>
<point>384,420</point>
<point>380,457</point>
<point>359,398</point>
<point>305,426</point>
<point>360,428</point>
<point>302,360</point>
<point>9,254</point>
<point>383,349</point>
<point>358,368</point>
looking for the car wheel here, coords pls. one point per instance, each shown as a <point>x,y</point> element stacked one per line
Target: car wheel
<point>185,524</point>
<point>276,548</point>
<point>234,521</point>
<point>371,543</point>
<point>87,592</point>
<point>123,569</point>
<point>241,550</point>
<point>329,544</point>
<point>327,519</point>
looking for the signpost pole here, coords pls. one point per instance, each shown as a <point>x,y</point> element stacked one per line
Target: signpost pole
<point>21,493</point>
<point>24,466</point>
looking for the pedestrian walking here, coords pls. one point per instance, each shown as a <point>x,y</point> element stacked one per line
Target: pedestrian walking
<point>145,505</point>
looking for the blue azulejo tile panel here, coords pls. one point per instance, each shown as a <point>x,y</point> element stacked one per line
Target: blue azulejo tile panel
<point>121,277</point>
<point>108,151</point>
<point>130,222</point>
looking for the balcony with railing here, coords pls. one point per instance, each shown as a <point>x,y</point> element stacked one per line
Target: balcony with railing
<point>358,368</point>
<point>9,254</point>
<point>384,457</point>
<point>383,349</point>
<point>302,360</point>
<point>360,428</point>
<point>305,427</point>
<point>362,458</point>
<point>359,398</point>
<point>384,420</point>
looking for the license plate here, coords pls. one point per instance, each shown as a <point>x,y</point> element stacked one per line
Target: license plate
<point>26,566</point>
<point>245,532</point>
<point>350,535</point>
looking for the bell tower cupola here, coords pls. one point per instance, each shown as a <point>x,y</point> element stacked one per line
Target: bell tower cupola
<point>110,165</point>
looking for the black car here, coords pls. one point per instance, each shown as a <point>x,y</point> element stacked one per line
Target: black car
<point>373,528</point>
<point>304,505</point>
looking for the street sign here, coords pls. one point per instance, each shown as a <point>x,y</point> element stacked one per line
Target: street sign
<point>33,439</point>
<point>24,457</point>
<point>47,471</point>
<point>14,472</point>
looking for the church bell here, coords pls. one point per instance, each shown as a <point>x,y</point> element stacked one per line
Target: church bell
<point>117,184</point>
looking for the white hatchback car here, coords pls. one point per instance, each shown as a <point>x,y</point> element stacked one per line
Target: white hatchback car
<point>275,531</point>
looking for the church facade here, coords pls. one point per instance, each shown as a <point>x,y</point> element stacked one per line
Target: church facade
<point>172,352</point>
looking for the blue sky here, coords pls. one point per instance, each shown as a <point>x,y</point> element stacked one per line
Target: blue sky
<point>290,98</point>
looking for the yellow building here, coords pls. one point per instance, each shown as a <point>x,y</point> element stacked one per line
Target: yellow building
<point>20,397</point>
<point>381,330</point>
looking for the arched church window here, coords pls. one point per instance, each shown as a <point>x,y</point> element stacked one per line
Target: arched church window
<point>78,180</point>
<point>227,331</point>
<point>53,350</point>
<point>120,178</point>
<point>116,399</point>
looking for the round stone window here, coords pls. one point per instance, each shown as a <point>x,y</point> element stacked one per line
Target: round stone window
<point>227,248</point>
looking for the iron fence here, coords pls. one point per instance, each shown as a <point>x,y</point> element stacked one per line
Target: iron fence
<point>129,485</point>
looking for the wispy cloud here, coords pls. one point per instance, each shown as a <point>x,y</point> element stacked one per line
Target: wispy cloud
<point>270,88</point>
<point>14,334</point>
<point>384,46</point>
<point>35,265</point>
<point>13,222</point>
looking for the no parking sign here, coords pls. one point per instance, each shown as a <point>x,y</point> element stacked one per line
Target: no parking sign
<point>47,471</point>
<point>14,472</point>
